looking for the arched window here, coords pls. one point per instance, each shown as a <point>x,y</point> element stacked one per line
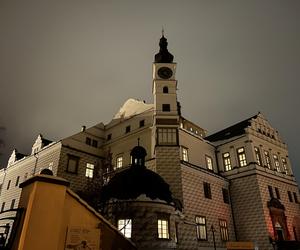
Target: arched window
<point>165,90</point>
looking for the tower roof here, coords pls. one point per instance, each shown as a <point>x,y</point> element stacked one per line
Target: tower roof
<point>163,56</point>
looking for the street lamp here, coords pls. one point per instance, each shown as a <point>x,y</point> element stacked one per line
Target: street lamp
<point>213,234</point>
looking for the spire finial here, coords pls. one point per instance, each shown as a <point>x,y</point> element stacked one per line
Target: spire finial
<point>162,31</point>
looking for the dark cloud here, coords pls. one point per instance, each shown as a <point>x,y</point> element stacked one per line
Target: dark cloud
<point>68,63</point>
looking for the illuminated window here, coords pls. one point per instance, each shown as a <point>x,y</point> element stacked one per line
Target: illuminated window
<point>201,228</point>
<point>167,136</point>
<point>185,155</point>
<point>72,166</point>
<point>276,162</point>
<point>227,161</point>
<point>209,163</point>
<point>163,228</point>
<point>268,159</point>
<point>125,226</point>
<point>284,165</point>
<point>224,230</point>
<point>257,156</point>
<point>242,157</point>
<point>119,162</point>
<point>207,190</point>
<point>89,171</point>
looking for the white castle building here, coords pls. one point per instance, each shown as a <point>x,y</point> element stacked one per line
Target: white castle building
<point>234,185</point>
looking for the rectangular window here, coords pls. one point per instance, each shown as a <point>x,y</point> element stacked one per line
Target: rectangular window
<point>271,192</point>
<point>290,196</point>
<point>163,228</point>
<point>8,184</point>
<point>268,159</point>
<point>284,165</point>
<point>12,204</point>
<point>277,193</point>
<point>227,161</point>
<point>185,155</point>
<point>257,156</point>
<point>242,157</point>
<point>89,171</point>
<point>88,141</point>
<point>95,143</point>
<point>17,181</point>
<point>125,226</point>
<point>201,228</point>
<point>207,190</point>
<point>119,162</point>
<point>72,164</point>
<point>142,123</point>
<point>276,162</point>
<point>209,163</point>
<point>167,136</point>
<point>166,108</point>
<point>3,207</point>
<point>224,230</point>
<point>295,197</point>
<point>225,195</point>
<point>109,137</point>
<point>127,129</point>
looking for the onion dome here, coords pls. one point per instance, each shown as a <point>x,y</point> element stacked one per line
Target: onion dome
<point>135,181</point>
<point>164,56</point>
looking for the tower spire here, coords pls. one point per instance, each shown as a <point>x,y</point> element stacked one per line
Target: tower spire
<point>164,56</point>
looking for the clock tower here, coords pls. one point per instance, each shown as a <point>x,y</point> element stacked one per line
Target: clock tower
<point>166,119</point>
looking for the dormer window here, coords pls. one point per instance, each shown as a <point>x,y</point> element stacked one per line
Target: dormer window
<point>165,90</point>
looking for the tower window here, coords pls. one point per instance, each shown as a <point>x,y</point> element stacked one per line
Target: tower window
<point>268,159</point>
<point>124,226</point>
<point>242,157</point>
<point>166,108</point>
<point>290,196</point>
<point>127,130</point>
<point>284,165</point>
<point>163,228</point>
<point>276,162</point>
<point>295,197</point>
<point>142,123</point>
<point>227,161</point>
<point>201,228</point>
<point>167,136</point>
<point>165,90</point>
<point>89,171</point>
<point>88,141</point>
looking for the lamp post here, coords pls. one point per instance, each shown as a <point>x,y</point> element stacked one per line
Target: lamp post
<point>213,234</point>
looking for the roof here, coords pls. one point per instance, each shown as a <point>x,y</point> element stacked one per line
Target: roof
<point>234,130</point>
<point>46,142</point>
<point>132,107</point>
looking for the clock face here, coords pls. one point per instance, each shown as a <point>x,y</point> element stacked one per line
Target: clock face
<point>165,73</point>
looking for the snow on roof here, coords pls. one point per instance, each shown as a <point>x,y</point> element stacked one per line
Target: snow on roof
<point>132,107</point>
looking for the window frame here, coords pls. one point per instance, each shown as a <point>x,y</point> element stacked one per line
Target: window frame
<point>200,226</point>
<point>224,234</point>
<point>242,159</point>
<point>185,154</point>
<point>207,190</point>
<point>89,170</point>
<point>119,161</point>
<point>167,136</point>
<point>126,228</point>
<point>227,162</point>
<point>161,232</point>
<point>73,158</point>
<point>207,159</point>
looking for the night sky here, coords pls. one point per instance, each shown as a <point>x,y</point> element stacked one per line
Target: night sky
<point>64,64</point>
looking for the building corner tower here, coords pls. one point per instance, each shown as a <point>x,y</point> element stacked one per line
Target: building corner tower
<point>166,119</point>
